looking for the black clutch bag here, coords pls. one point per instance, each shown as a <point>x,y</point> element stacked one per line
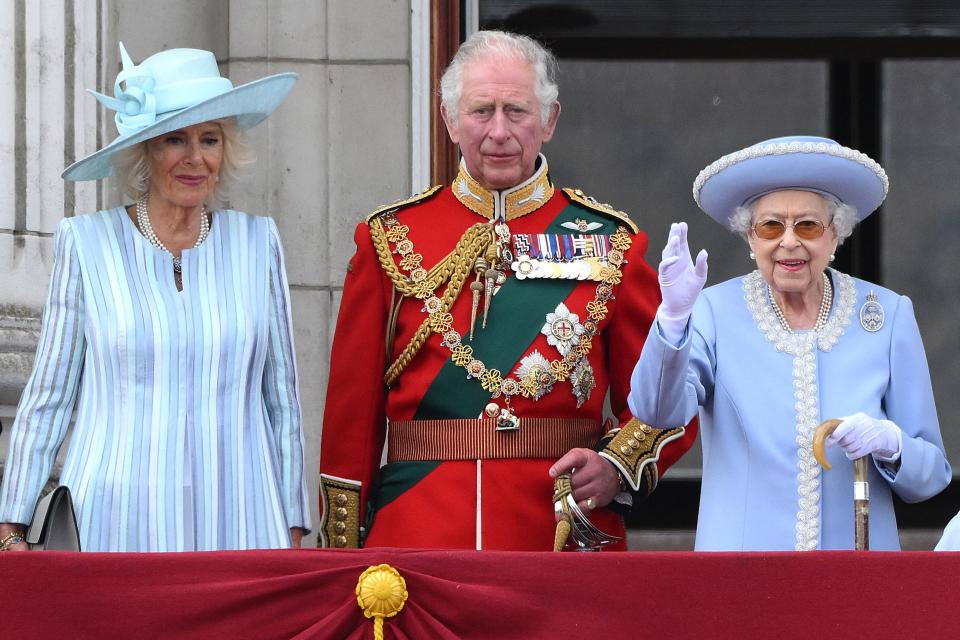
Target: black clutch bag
<point>54,524</point>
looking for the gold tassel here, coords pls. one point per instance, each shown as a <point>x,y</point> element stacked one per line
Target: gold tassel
<point>492,255</point>
<point>563,532</point>
<point>490,275</point>
<point>475,287</point>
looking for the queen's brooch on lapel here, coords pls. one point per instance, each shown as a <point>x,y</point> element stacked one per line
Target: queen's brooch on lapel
<point>871,313</point>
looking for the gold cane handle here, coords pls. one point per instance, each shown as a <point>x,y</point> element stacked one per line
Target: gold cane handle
<point>823,430</point>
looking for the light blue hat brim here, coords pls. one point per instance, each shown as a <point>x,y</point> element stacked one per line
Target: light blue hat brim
<point>250,104</point>
<point>805,163</point>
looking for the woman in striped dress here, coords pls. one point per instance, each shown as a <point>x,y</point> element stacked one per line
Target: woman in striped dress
<point>167,329</point>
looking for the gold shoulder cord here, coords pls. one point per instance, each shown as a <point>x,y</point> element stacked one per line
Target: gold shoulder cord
<point>453,269</point>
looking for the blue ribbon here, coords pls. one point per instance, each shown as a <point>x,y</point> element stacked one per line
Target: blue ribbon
<point>135,104</point>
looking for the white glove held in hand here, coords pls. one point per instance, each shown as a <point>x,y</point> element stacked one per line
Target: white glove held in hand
<point>860,434</point>
<point>680,283</point>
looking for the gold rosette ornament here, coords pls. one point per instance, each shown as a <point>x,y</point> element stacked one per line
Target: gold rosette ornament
<point>381,593</point>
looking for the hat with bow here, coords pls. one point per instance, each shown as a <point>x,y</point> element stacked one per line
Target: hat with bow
<point>171,90</point>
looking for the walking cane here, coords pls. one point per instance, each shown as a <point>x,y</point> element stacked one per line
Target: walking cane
<point>861,490</point>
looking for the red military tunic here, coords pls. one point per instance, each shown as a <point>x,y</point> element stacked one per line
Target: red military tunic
<point>440,488</point>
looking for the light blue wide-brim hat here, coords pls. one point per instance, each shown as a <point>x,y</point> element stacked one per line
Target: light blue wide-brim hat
<point>805,163</point>
<point>171,90</point>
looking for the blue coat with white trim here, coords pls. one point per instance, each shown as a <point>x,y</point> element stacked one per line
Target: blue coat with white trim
<point>758,405</point>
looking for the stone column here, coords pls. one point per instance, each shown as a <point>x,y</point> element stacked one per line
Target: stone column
<point>48,55</point>
<point>338,147</point>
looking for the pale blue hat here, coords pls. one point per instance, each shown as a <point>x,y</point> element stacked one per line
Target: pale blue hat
<point>805,163</point>
<point>171,90</point>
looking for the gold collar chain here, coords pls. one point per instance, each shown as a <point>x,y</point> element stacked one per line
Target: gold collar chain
<point>539,379</point>
<point>508,204</point>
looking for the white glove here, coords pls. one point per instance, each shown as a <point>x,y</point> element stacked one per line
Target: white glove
<point>680,283</point>
<point>860,434</point>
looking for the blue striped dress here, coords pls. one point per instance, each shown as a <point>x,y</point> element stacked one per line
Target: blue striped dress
<point>188,433</point>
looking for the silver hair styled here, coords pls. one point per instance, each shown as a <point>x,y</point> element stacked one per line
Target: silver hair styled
<point>842,216</point>
<point>502,44</point>
<point>133,164</point>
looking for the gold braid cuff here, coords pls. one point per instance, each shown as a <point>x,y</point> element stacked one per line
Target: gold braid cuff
<point>634,450</point>
<point>340,499</point>
<point>454,269</point>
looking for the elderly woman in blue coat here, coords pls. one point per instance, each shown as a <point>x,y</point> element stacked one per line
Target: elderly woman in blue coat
<point>767,356</point>
<point>168,329</point>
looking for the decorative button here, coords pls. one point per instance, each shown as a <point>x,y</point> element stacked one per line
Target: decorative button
<point>640,435</point>
<point>646,428</point>
<point>632,443</point>
<point>625,450</point>
<point>341,499</point>
<point>340,527</point>
<point>340,541</point>
<point>492,410</point>
<point>340,513</point>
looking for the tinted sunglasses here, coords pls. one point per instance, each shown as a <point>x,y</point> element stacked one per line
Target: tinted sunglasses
<point>803,229</point>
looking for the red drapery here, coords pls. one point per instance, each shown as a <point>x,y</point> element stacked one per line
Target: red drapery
<point>457,594</point>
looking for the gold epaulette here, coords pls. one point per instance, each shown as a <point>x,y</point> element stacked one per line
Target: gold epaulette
<point>634,451</point>
<point>399,204</point>
<point>340,522</point>
<point>577,195</point>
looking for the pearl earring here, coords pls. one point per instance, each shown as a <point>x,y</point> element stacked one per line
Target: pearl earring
<point>753,256</point>
<point>832,257</point>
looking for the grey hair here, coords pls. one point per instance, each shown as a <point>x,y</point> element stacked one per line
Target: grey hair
<point>133,164</point>
<point>505,45</point>
<point>842,216</point>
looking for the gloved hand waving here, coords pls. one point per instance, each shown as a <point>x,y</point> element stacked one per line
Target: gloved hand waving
<point>680,283</point>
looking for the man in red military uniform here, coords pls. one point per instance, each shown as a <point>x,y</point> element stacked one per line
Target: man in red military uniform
<point>480,328</point>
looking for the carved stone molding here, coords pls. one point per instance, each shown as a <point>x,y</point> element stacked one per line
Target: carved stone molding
<point>19,333</point>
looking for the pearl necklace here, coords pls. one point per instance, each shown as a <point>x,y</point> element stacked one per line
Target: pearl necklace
<point>822,315</point>
<point>143,221</point>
